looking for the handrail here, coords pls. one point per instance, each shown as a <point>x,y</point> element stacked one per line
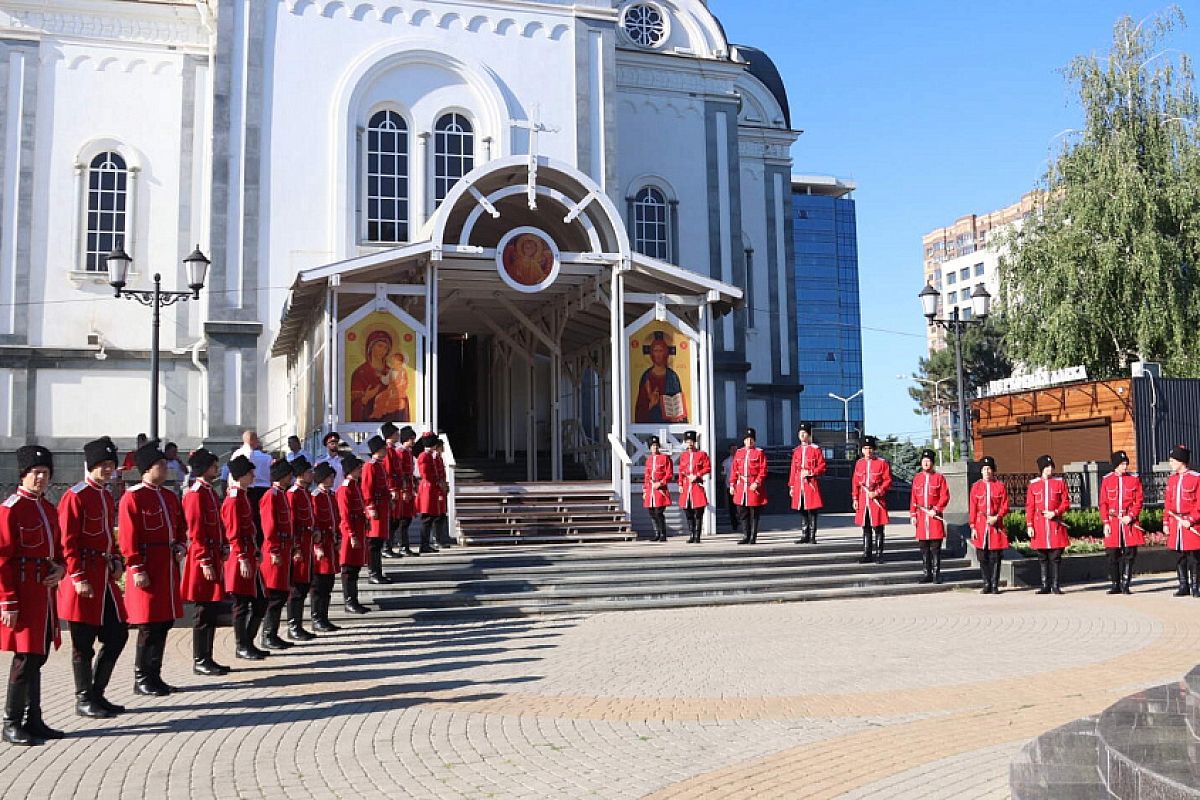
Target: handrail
<point>618,448</point>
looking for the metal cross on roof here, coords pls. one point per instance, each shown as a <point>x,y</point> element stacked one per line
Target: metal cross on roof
<point>535,126</point>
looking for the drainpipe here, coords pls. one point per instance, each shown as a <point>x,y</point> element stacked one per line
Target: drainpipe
<point>199,365</point>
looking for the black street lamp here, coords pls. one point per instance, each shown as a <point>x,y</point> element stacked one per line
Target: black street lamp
<point>981,306</point>
<point>196,267</point>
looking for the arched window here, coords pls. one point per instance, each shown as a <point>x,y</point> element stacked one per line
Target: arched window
<point>387,178</point>
<point>107,201</point>
<point>651,224</point>
<point>453,153</point>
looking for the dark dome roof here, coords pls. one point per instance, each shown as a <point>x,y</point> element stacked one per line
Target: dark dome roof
<point>762,67</point>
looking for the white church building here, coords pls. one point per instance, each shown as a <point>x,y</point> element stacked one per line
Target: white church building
<point>561,208</point>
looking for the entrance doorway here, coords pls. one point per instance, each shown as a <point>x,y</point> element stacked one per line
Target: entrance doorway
<point>458,391</point>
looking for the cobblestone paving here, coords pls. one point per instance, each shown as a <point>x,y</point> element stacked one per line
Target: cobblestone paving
<point>921,697</point>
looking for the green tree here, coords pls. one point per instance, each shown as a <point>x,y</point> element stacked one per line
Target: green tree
<point>984,359</point>
<point>905,457</point>
<point>1104,272</point>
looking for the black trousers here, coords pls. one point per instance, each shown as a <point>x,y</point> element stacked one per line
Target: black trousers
<point>809,519</point>
<point>375,556</point>
<point>111,632</point>
<point>1120,556</point>
<point>24,686</point>
<point>322,586</point>
<point>749,518</point>
<point>989,565</point>
<point>204,618</point>
<point>1050,561</point>
<point>695,520</point>
<point>151,646</point>
<point>429,523</point>
<point>295,603</point>
<point>248,613</point>
<point>400,533</point>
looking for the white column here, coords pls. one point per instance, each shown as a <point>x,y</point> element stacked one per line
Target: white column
<point>708,402</point>
<point>431,346</point>
<point>555,407</point>
<point>15,105</point>
<point>531,421</point>
<point>420,182</point>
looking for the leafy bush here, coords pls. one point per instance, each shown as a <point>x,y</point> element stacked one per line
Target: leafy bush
<point>1082,523</point>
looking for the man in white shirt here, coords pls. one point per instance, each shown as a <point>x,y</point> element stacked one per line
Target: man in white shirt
<point>252,449</point>
<point>333,456</point>
<point>295,451</point>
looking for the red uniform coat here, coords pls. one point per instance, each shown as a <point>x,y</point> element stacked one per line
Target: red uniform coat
<point>658,470</point>
<point>806,492</point>
<point>87,517</point>
<point>749,466</point>
<point>377,497</point>
<point>352,522</point>
<point>874,474</point>
<point>325,526</point>
<point>30,546</point>
<point>237,517</point>
<point>694,467</point>
<point>988,498</point>
<point>431,497</point>
<point>929,494</point>
<point>206,544</point>
<point>401,466</point>
<point>151,529</point>
<point>301,504</point>
<point>1121,496</point>
<point>278,543</point>
<point>1047,494</point>
<point>1182,497</point>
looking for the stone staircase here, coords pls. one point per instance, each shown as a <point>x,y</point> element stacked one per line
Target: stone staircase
<point>539,513</point>
<point>524,579</point>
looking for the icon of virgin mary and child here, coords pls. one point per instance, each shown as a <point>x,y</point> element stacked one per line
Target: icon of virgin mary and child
<point>379,386</point>
<point>660,392</point>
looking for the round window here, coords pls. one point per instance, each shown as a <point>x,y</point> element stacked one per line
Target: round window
<point>645,24</point>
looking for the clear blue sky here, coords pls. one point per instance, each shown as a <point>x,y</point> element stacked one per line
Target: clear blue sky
<point>935,109</point>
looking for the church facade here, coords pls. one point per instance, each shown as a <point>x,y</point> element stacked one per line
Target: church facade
<point>331,157</point>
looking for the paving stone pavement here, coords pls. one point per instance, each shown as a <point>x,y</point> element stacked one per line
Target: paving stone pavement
<point>903,697</point>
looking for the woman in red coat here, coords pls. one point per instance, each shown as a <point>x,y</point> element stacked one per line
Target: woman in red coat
<point>203,582</point>
<point>151,530</point>
<point>694,468</point>
<point>324,547</point>
<point>747,485</point>
<point>986,510</point>
<point>808,464</point>
<point>279,551</point>
<point>871,483</point>
<point>1045,503</point>
<point>352,522</point>
<point>242,579</point>
<point>656,492</point>
<point>90,601</point>
<point>930,496</point>
<point>30,570</point>
<point>432,493</point>
<point>1120,508</point>
<point>300,501</point>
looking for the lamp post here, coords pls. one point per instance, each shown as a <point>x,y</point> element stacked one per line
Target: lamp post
<point>196,269</point>
<point>981,306</point>
<point>937,407</point>
<point>846,406</point>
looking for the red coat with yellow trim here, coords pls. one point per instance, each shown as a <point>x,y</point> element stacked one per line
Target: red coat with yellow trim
<point>988,498</point>
<point>1047,494</point>
<point>1121,496</point>
<point>87,517</point>
<point>325,533</point>
<point>1181,511</point>
<point>927,506</point>
<point>431,495</point>
<point>301,504</point>
<point>694,468</point>
<point>237,517</point>
<point>206,544</point>
<point>806,491</point>
<point>352,521</point>
<point>748,477</point>
<point>660,472</point>
<point>150,529</point>
<point>30,546</point>
<point>875,475</point>
<point>279,546</point>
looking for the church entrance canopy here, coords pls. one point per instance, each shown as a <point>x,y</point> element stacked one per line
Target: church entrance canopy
<point>520,321</point>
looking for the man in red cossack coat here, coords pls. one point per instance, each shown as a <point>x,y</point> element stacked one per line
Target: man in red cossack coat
<point>747,485</point>
<point>927,508</point>
<point>656,492</point>
<point>985,512</point>
<point>90,600</point>
<point>404,481</point>
<point>151,531</point>
<point>808,465</point>
<point>243,579</point>
<point>1046,501</point>
<point>203,578</point>
<point>31,567</point>
<point>1181,515</point>
<point>301,504</point>
<point>871,483</point>
<point>279,553</point>
<point>432,492</point>
<point>694,468</point>
<point>324,547</point>
<point>377,500</point>
<point>352,521</point>
<point>1121,499</point>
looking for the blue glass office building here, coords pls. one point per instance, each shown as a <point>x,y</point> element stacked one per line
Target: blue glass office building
<point>828,335</point>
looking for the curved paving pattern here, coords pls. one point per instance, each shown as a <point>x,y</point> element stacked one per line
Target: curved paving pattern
<point>759,701</point>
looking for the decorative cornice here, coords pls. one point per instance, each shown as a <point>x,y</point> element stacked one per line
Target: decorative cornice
<point>156,25</point>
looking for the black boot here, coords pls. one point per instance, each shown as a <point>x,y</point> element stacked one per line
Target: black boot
<point>1127,576</point>
<point>927,564</point>
<point>296,630</point>
<point>1181,572</point>
<point>100,678</point>
<point>37,728</point>
<point>1044,566</point>
<point>868,542</point>
<point>270,631</point>
<point>1114,577</point>
<point>14,713</point>
<point>158,651</point>
<point>85,705</point>
<point>879,547</point>
<point>744,526</point>
<point>1195,581</point>
<point>143,668</point>
<point>985,572</point>
<point>937,564</point>
<point>244,640</point>
<point>350,595</point>
<point>1055,567</point>
<point>320,615</point>
<point>202,663</point>
<point>376,575</point>
<point>996,573</point>
<point>209,641</point>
